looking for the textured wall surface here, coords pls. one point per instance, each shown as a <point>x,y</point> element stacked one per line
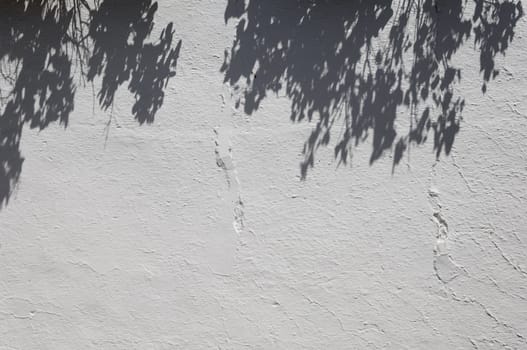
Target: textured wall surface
<point>205,229</point>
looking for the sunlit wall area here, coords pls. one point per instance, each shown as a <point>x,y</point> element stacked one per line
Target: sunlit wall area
<point>249,174</point>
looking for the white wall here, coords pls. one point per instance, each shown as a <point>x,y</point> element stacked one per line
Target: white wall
<point>133,237</point>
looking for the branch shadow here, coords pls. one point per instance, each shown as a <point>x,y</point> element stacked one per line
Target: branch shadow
<point>332,62</point>
<point>45,44</point>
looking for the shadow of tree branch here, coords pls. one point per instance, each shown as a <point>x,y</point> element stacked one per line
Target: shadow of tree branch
<point>333,63</point>
<point>42,45</point>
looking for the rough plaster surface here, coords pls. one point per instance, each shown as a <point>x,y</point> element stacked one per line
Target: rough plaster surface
<point>197,232</point>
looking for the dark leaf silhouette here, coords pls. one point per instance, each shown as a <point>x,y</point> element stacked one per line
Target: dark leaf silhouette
<point>42,45</point>
<point>329,58</point>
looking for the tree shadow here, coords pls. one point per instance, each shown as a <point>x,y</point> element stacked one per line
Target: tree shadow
<point>333,64</point>
<point>44,45</point>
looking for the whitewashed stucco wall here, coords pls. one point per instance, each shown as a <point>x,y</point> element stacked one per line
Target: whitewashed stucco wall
<point>133,237</point>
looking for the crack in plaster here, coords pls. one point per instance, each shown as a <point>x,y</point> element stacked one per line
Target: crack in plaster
<point>225,161</point>
<point>443,264</point>
<point>507,259</point>
<point>460,172</point>
<point>445,267</point>
<point>503,324</point>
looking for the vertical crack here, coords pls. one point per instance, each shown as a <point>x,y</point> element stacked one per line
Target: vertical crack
<point>225,160</point>
<point>445,268</point>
